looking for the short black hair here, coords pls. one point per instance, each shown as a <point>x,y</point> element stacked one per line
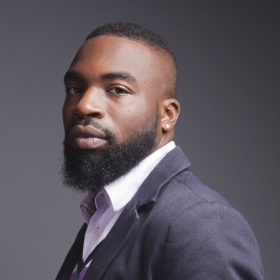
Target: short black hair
<point>135,32</point>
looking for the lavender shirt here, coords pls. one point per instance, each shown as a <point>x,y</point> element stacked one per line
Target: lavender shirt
<point>101,212</point>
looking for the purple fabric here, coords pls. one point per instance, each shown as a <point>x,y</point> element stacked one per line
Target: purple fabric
<point>81,276</point>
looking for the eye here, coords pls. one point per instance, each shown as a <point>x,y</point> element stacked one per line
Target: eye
<point>118,90</point>
<point>73,90</point>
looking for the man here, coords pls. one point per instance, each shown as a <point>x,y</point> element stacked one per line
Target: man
<point>146,216</point>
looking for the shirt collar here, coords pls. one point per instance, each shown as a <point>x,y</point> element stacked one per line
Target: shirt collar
<point>88,207</point>
<point>91,204</point>
<point>122,190</point>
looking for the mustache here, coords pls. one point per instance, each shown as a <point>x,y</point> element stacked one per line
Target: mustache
<point>85,122</point>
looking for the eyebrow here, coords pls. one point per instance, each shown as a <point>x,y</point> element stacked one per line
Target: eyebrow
<point>119,75</point>
<point>72,75</point>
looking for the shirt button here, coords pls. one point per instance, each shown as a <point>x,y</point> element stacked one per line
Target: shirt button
<point>96,229</point>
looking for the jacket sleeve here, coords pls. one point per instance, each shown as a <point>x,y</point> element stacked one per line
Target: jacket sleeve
<point>210,241</point>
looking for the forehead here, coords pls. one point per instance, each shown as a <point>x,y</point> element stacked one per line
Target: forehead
<point>105,54</point>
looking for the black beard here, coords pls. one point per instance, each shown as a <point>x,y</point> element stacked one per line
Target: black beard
<point>90,170</point>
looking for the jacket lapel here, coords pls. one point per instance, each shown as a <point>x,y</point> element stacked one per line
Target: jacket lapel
<point>173,163</point>
<point>73,256</point>
<point>112,244</point>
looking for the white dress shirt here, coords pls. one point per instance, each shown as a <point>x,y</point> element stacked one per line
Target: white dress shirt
<point>101,212</point>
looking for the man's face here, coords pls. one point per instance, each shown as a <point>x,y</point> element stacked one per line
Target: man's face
<point>112,97</point>
<point>114,81</point>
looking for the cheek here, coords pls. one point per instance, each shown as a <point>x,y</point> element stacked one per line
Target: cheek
<point>65,115</point>
<point>125,120</point>
<point>67,112</point>
<point>133,117</point>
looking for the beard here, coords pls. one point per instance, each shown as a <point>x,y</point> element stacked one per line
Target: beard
<point>90,170</point>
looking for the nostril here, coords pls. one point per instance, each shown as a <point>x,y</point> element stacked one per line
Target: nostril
<point>93,115</point>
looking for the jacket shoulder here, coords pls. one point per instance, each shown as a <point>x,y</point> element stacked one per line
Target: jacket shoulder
<point>190,190</point>
<point>204,230</point>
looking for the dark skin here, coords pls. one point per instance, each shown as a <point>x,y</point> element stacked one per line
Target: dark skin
<point>123,85</point>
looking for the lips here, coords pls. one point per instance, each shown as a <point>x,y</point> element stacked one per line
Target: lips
<point>86,137</point>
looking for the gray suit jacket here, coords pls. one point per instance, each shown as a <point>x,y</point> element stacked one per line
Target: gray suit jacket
<point>174,228</point>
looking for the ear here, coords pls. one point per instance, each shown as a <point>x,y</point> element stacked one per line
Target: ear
<point>170,110</point>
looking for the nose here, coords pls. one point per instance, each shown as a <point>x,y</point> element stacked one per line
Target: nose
<point>89,105</point>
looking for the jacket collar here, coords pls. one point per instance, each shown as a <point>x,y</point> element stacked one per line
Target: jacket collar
<point>171,165</point>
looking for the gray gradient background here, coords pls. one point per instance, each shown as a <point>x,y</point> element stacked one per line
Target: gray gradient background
<point>228,54</point>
